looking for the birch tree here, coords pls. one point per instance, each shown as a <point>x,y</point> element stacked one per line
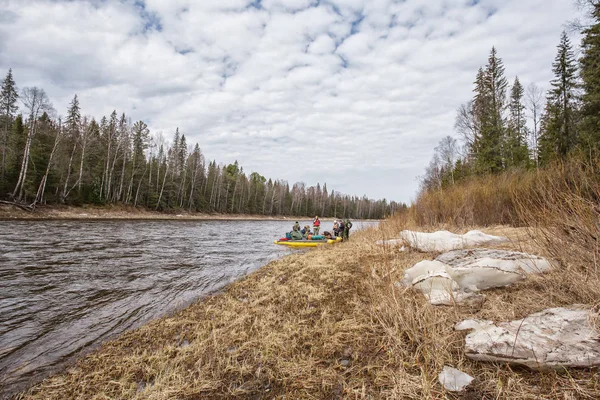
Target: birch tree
<point>35,102</point>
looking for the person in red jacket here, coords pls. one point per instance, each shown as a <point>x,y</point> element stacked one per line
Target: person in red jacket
<point>316,225</point>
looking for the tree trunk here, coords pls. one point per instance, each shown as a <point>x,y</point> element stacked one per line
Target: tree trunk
<point>130,186</point>
<point>103,189</point>
<point>64,193</point>
<point>119,196</point>
<point>24,164</point>
<point>83,146</point>
<point>137,192</point>
<point>163,186</point>
<point>110,173</point>
<point>182,189</point>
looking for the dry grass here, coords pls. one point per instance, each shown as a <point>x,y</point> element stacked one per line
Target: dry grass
<point>332,323</point>
<point>326,324</point>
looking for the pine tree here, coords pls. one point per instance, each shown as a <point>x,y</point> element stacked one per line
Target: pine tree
<point>517,153</point>
<point>558,123</point>
<point>590,75</point>
<point>8,109</point>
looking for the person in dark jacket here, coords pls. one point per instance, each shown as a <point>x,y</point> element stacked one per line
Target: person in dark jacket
<point>347,227</point>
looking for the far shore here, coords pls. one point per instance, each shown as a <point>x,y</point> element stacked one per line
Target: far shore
<point>9,212</point>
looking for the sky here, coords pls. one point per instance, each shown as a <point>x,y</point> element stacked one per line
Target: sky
<point>352,93</point>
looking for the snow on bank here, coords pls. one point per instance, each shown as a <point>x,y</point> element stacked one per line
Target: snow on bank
<point>453,379</point>
<point>553,338</point>
<point>443,240</point>
<point>453,277</point>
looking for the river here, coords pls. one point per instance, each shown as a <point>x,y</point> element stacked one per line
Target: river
<point>66,286</point>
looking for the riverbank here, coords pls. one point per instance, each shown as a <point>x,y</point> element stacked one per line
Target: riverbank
<point>9,212</point>
<point>327,323</point>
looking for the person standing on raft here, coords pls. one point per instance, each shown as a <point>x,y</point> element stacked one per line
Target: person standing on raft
<point>316,225</point>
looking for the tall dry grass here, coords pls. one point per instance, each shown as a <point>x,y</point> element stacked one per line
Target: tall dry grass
<point>510,198</point>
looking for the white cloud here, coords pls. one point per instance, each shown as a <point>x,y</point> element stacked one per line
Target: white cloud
<point>355,93</point>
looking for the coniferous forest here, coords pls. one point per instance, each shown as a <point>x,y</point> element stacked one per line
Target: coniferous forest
<point>80,160</point>
<point>508,126</point>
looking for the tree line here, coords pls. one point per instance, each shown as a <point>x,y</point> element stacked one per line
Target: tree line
<point>79,160</point>
<point>494,128</point>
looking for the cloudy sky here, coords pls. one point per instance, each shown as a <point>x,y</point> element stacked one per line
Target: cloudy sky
<point>354,93</point>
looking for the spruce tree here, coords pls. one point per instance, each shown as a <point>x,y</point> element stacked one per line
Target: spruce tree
<point>73,120</point>
<point>558,134</point>
<point>8,109</point>
<point>590,75</point>
<point>488,107</point>
<point>517,153</point>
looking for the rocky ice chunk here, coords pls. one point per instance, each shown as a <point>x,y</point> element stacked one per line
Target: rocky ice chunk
<point>431,279</point>
<point>454,276</point>
<point>446,241</point>
<point>481,269</point>
<point>422,268</point>
<point>454,380</point>
<point>437,287</point>
<point>553,338</point>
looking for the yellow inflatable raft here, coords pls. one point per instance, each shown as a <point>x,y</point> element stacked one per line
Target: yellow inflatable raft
<point>307,243</point>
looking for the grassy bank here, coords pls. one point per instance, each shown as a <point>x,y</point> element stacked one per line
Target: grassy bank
<point>329,323</point>
<point>517,197</point>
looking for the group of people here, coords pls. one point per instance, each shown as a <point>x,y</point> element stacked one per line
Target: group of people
<point>340,228</point>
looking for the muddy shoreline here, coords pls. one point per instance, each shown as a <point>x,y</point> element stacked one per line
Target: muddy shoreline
<point>95,213</point>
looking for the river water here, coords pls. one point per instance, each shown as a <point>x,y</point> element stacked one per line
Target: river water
<point>66,286</point>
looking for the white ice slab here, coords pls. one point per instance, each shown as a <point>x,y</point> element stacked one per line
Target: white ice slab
<point>553,338</point>
<point>445,241</point>
<point>481,269</point>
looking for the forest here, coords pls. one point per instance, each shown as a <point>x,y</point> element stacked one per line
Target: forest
<point>506,128</point>
<point>79,160</point>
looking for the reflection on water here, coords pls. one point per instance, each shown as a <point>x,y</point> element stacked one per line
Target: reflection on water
<point>68,285</point>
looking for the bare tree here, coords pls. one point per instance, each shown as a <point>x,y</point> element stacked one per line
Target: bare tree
<point>447,150</point>
<point>36,102</point>
<point>466,125</point>
<point>587,7</point>
<point>534,101</point>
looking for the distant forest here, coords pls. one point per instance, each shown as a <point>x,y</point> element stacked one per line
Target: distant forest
<point>496,136</point>
<point>79,160</point>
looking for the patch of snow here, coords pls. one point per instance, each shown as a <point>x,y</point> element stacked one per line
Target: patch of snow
<point>452,277</point>
<point>422,268</point>
<point>553,338</point>
<point>436,286</point>
<point>481,269</point>
<point>445,241</point>
<point>469,324</point>
<point>454,380</point>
